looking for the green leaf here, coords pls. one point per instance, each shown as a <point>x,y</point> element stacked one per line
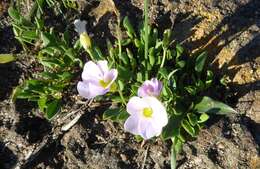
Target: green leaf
<point>39,23</point>
<point>200,61</point>
<point>131,57</point>
<point>111,114</point>
<point>30,35</point>
<point>166,91</point>
<point>181,63</point>
<point>203,117</point>
<point>52,109</point>
<point>151,56</point>
<point>172,73</point>
<point>178,145</point>
<point>123,115</point>
<point>125,42</point>
<point>48,39</point>
<point>209,78</point>
<point>200,85</point>
<point>187,127</point>
<point>208,105</point>
<point>138,44</point>
<point>14,14</point>
<point>192,118</point>
<point>128,26</point>
<point>163,72</point>
<point>5,58</point>
<point>115,114</point>
<point>172,129</point>
<point>197,129</point>
<point>191,90</point>
<point>65,76</point>
<point>124,73</point>
<point>98,52</point>
<point>25,94</point>
<point>166,37</point>
<point>154,37</point>
<point>138,138</point>
<point>124,58</point>
<point>42,103</point>
<point>121,85</point>
<point>139,77</point>
<point>179,50</point>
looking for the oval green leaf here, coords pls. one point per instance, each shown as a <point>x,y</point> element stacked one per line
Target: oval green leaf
<point>208,105</point>
<point>6,58</point>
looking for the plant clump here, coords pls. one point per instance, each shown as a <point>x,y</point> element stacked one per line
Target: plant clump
<point>158,89</point>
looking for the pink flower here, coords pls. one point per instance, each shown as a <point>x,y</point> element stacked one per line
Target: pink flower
<point>151,87</point>
<point>97,79</point>
<point>147,117</point>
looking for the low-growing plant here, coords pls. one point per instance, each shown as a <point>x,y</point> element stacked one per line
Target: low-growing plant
<point>58,58</point>
<point>159,89</point>
<point>27,28</point>
<point>155,76</point>
<point>46,88</point>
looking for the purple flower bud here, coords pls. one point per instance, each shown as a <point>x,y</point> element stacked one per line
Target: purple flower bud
<point>151,87</point>
<point>97,79</point>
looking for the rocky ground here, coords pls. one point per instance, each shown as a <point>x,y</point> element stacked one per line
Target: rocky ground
<point>228,30</point>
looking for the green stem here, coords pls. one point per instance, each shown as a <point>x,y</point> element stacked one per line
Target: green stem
<point>146,41</point>
<point>119,38</point>
<point>122,97</point>
<point>173,155</point>
<point>164,56</point>
<point>146,38</point>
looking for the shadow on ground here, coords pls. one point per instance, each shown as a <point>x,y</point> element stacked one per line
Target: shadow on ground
<point>9,78</point>
<point>31,127</point>
<point>7,158</point>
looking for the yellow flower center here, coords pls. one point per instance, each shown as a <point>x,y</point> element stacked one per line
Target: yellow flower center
<point>103,83</point>
<point>147,112</point>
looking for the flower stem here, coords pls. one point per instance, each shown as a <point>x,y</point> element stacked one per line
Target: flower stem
<point>146,41</point>
<point>146,38</point>
<point>119,37</point>
<point>122,97</point>
<point>164,56</point>
<point>173,155</point>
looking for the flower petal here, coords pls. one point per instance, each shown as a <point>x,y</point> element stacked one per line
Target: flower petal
<point>151,87</point>
<point>136,105</point>
<point>90,90</point>
<point>159,117</point>
<point>110,77</point>
<point>146,89</point>
<point>132,124</point>
<point>157,86</point>
<point>91,71</point>
<point>102,64</point>
<point>147,129</point>
<point>80,26</point>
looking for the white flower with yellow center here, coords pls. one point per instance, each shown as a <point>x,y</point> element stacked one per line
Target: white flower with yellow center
<point>147,117</point>
<point>97,79</point>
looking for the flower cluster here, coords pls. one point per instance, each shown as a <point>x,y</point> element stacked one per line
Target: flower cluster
<point>147,114</point>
